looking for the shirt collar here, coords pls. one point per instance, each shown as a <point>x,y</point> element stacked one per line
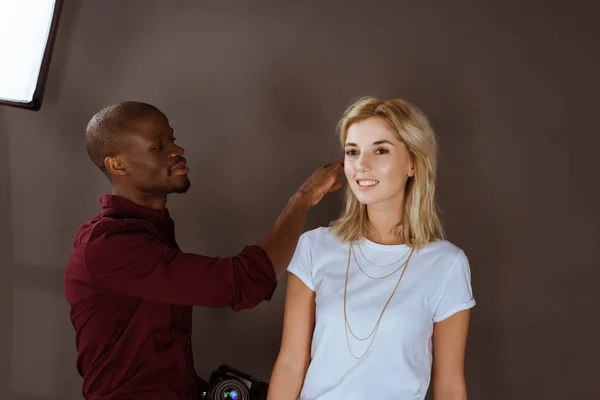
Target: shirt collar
<point>122,206</point>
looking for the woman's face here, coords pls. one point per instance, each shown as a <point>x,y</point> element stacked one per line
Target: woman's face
<point>377,163</point>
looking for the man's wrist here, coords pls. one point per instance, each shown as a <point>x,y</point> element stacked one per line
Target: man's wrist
<point>301,198</point>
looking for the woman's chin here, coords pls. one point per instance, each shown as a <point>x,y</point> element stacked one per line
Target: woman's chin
<point>366,200</point>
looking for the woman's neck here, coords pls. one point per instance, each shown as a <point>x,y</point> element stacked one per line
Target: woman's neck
<point>383,218</point>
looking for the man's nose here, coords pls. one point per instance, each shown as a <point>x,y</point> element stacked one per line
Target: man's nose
<point>177,151</point>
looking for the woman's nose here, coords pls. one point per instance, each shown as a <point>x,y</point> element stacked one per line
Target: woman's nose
<point>364,164</point>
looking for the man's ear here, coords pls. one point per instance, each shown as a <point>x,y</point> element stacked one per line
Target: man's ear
<point>115,165</point>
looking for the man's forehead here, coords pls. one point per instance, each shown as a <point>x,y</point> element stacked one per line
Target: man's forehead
<point>152,125</point>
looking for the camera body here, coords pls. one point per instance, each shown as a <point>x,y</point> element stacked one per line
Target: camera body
<point>228,383</point>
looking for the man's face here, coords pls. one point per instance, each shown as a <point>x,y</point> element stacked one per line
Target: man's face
<point>154,164</point>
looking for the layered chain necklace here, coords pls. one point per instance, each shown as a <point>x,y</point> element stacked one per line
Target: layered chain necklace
<point>375,265</point>
<point>347,327</point>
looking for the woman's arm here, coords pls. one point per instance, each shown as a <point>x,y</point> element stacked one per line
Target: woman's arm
<point>294,355</point>
<point>449,345</point>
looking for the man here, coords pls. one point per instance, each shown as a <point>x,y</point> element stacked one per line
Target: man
<point>131,289</point>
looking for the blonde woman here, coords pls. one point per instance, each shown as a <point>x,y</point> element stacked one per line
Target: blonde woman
<point>378,299</point>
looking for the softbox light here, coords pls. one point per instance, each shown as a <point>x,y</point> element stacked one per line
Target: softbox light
<point>27,33</point>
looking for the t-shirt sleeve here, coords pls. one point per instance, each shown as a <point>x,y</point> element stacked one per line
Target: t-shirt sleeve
<point>301,264</point>
<point>457,294</point>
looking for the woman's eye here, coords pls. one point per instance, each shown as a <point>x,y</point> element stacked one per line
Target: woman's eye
<point>381,151</point>
<point>351,152</point>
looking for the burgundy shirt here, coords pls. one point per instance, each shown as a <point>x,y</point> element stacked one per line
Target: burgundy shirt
<point>131,292</point>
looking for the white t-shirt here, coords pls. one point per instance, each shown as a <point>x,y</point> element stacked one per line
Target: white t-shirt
<point>436,284</point>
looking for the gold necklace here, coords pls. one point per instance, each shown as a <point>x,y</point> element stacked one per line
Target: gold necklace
<point>372,277</point>
<point>376,327</point>
<point>375,265</point>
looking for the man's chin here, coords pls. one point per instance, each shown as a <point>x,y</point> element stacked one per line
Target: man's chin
<point>182,187</point>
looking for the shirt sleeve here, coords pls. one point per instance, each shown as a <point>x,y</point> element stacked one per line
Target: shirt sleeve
<point>125,257</point>
<point>457,294</point>
<point>301,264</point>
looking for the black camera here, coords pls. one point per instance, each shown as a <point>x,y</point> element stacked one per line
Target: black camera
<point>227,383</point>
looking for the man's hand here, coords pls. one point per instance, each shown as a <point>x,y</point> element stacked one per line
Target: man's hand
<point>281,242</point>
<point>322,181</point>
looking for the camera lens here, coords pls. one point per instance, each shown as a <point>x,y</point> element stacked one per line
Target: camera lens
<point>230,394</point>
<point>230,389</point>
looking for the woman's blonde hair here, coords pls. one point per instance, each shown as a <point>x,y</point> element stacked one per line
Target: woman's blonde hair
<point>420,224</point>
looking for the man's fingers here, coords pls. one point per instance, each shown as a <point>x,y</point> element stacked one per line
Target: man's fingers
<point>336,186</point>
<point>337,167</point>
<point>333,165</point>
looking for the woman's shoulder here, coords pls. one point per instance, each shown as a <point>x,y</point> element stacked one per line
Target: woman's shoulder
<point>320,236</point>
<point>444,249</point>
<point>441,258</point>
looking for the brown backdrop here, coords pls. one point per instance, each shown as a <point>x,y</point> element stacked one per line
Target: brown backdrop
<point>254,90</point>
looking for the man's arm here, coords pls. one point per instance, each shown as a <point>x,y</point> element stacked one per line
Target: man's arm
<point>123,256</point>
<point>281,242</point>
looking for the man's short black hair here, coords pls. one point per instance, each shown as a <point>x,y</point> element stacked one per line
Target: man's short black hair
<point>111,126</point>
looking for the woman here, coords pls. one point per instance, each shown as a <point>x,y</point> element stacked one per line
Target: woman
<point>379,298</point>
